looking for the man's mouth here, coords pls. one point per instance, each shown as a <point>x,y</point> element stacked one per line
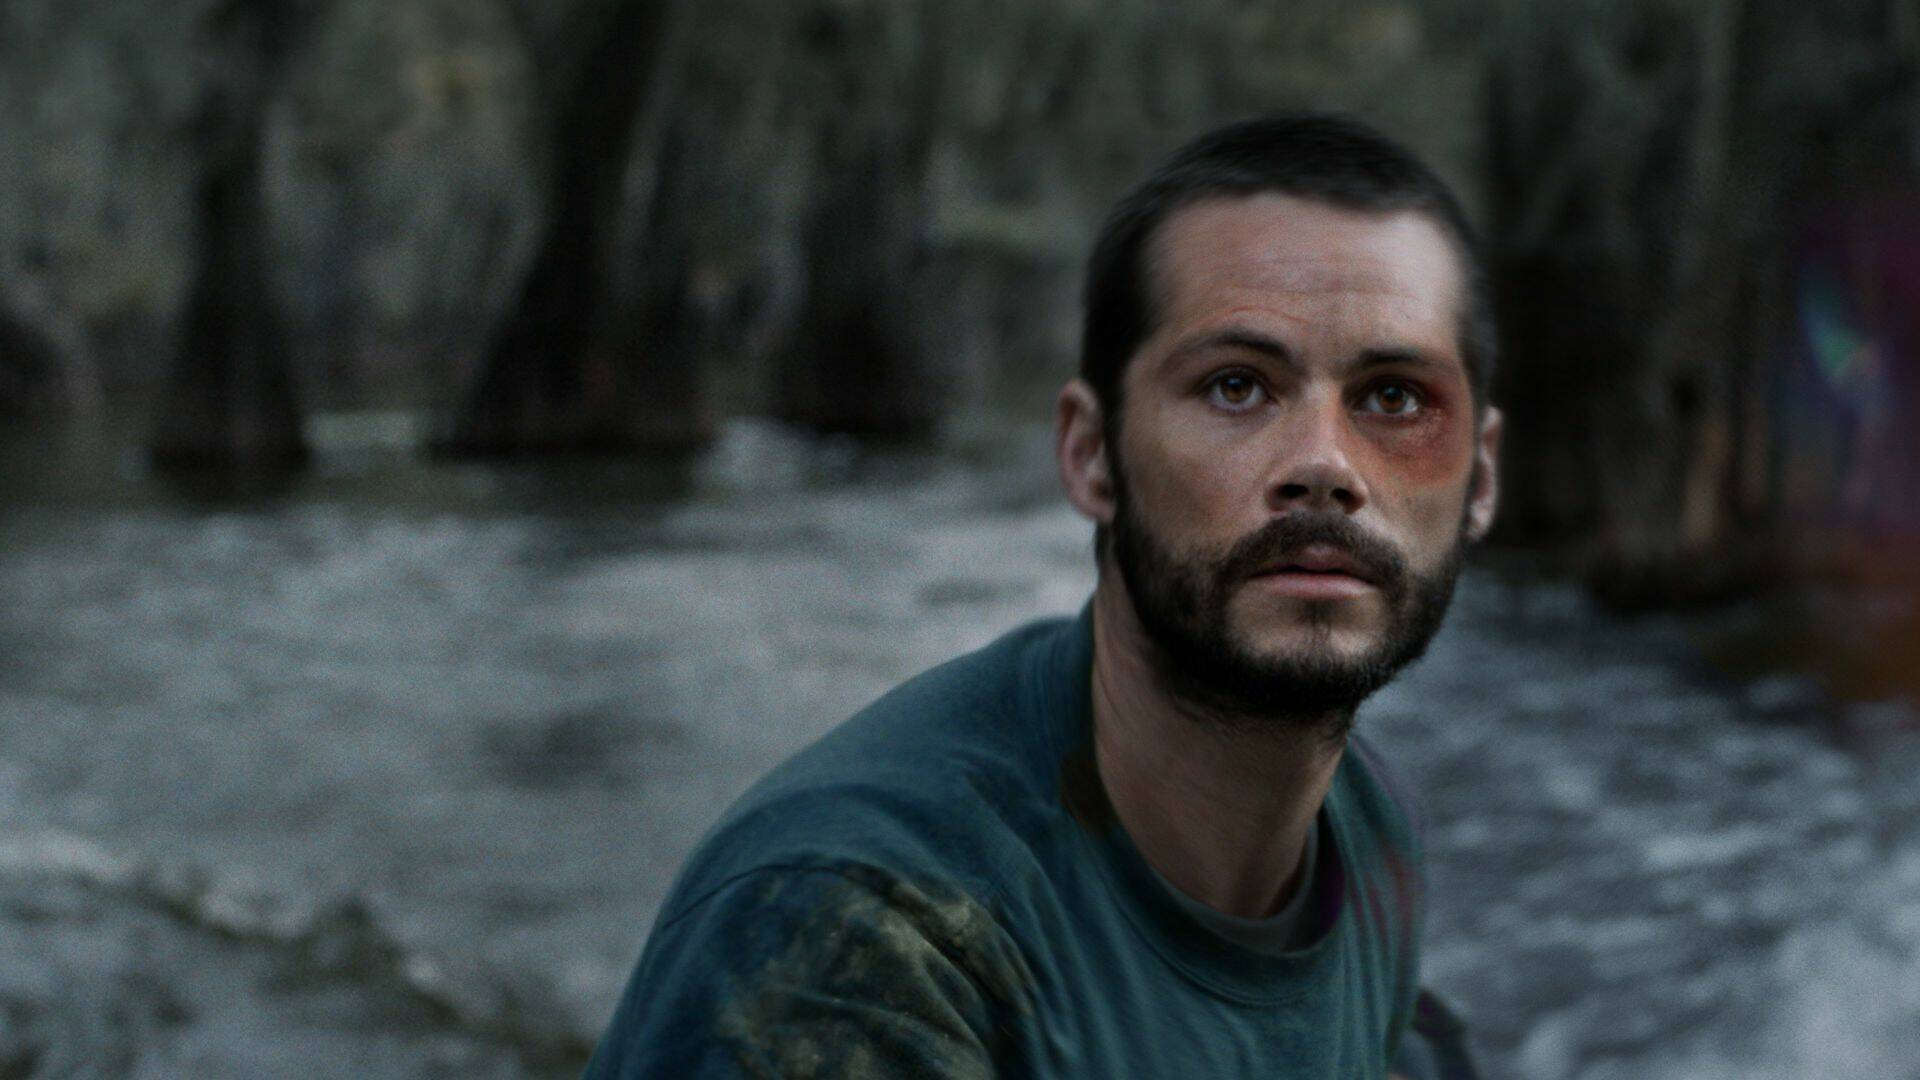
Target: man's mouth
<point>1317,572</point>
<point>1322,560</point>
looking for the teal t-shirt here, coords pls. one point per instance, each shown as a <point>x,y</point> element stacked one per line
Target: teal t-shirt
<point>939,888</point>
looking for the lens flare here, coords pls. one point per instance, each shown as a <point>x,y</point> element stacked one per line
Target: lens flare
<point>1849,415</point>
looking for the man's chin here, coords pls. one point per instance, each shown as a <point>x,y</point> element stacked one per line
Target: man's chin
<point>1307,689</point>
<point>1287,672</point>
<point>1311,632</point>
<point>1310,662</point>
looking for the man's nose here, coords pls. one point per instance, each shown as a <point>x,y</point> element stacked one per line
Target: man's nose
<point>1315,472</point>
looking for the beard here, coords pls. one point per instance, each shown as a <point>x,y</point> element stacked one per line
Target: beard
<point>1183,605</point>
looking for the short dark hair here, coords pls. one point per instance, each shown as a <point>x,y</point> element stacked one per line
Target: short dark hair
<point>1310,155</point>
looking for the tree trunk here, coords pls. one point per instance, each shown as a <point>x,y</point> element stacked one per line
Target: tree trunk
<point>646,358</point>
<point>231,402</point>
<point>853,364</point>
<point>1652,177</point>
<point>46,366</point>
<point>1623,269</point>
<point>571,367</point>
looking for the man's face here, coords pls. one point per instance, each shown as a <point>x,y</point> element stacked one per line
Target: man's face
<point>1296,459</point>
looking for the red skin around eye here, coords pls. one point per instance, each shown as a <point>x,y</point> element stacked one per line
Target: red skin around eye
<point>1425,450</point>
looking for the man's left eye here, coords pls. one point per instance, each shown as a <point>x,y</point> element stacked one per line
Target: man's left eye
<point>1391,399</point>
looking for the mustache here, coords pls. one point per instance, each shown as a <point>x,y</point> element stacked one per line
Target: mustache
<point>1284,536</point>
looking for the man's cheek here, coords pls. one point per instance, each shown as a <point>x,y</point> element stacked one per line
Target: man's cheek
<point>1419,457</point>
<point>1432,527</point>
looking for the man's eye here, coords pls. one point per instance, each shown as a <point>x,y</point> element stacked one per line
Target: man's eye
<point>1391,399</point>
<point>1235,390</point>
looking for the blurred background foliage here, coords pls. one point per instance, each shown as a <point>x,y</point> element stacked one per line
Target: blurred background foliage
<point>524,229</point>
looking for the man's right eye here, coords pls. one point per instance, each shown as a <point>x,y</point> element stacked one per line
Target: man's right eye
<point>1235,391</point>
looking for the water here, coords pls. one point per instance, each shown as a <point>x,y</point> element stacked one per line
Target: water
<point>386,776</point>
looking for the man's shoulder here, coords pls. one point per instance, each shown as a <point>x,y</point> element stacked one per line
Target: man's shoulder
<point>939,780</point>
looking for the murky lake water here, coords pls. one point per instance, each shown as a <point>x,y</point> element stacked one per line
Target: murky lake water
<point>386,777</point>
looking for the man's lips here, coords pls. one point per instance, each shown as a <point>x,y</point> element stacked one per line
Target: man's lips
<point>1318,559</point>
<point>1316,572</point>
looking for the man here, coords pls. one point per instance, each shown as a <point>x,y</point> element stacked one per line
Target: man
<point>1143,842</point>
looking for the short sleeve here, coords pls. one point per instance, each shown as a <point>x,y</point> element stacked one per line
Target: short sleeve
<point>805,972</point>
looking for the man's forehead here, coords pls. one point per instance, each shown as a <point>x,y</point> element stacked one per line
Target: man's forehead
<point>1288,245</point>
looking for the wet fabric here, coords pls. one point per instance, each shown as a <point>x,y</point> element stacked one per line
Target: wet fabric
<point>939,888</point>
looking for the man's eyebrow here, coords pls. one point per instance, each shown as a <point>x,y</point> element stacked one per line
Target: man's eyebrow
<point>1234,337</point>
<point>1402,357</point>
<point>1241,337</point>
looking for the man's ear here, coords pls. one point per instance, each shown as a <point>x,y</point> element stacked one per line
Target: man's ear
<point>1484,497</point>
<point>1080,448</point>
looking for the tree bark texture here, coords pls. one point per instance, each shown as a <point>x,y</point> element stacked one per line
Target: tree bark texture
<point>231,402</point>
<point>46,366</point>
<point>854,364</point>
<point>575,365</point>
<point>644,363</point>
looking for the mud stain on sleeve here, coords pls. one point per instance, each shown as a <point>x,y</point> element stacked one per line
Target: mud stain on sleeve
<point>878,977</point>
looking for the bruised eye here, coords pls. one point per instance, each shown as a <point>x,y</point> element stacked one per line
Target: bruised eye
<point>1391,399</point>
<point>1235,391</point>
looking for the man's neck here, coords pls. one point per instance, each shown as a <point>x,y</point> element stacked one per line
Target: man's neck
<point>1220,809</point>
